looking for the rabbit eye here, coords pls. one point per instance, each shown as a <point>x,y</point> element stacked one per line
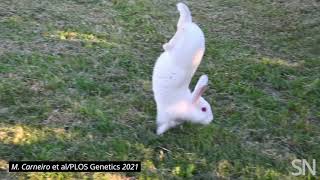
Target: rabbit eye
<point>203,109</point>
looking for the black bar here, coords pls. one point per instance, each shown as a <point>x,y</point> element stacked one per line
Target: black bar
<point>74,166</point>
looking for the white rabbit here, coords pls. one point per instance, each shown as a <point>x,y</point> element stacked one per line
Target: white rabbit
<point>172,75</point>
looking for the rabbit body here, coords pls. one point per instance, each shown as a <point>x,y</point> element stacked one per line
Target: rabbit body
<point>172,75</point>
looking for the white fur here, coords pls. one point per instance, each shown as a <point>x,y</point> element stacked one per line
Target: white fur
<point>172,75</point>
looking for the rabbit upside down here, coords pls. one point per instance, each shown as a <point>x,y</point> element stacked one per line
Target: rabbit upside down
<point>172,75</point>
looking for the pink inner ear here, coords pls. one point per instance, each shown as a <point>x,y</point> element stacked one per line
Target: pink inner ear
<point>202,90</point>
<point>199,93</point>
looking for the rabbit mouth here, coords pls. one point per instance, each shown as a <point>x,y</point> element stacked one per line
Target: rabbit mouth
<point>210,119</point>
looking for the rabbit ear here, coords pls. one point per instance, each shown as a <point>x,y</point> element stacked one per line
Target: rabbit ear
<point>200,88</point>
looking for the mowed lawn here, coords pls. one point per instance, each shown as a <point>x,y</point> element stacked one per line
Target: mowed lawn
<point>75,84</point>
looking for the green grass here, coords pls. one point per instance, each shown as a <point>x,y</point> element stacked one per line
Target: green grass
<point>75,84</point>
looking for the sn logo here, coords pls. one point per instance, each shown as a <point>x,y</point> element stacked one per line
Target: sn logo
<point>301,164</point>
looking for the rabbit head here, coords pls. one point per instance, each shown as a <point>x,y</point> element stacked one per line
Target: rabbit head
<point>201,110</point>
<point>192,108</point>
